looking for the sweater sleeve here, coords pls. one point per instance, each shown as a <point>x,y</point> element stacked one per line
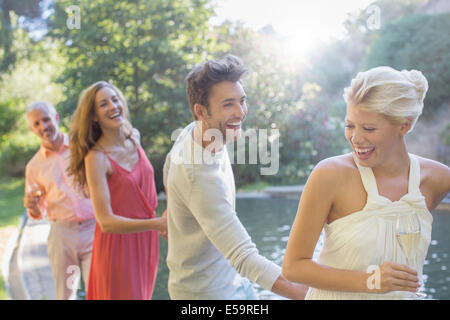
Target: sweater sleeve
<point>166,170</point>
<point>210,204</point>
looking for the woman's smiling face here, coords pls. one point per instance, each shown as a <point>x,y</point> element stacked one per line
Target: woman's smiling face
<point>108,108</point>
<point>372,136</point>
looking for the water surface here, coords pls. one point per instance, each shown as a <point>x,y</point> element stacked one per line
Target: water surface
<point>268,221</point>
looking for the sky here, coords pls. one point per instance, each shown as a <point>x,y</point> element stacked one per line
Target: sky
<point>303,22</point>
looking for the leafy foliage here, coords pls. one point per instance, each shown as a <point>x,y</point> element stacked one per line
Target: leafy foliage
<point>445,135</point>
<point>28,9</point>
<point>31,79</point>
<point>279,98</point>
<point>414,43</point>
<point>145,48</point>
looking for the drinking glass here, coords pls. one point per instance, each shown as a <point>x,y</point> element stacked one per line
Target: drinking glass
<point>37,192</point>
<point>408,237</point>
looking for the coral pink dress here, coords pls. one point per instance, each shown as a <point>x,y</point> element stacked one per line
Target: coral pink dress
<point>124,266</point>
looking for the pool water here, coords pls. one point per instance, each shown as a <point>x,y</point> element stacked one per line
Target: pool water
<point>268,221</point>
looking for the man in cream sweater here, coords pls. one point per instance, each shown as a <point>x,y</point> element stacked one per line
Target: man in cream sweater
<point>210,254</point>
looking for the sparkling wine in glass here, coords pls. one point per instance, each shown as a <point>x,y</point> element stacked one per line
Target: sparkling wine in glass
<point>36,191</point>
<point>408,237</point>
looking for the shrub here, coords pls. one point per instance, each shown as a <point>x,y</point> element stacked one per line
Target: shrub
<point>445,135</point>
<point>417,42</point>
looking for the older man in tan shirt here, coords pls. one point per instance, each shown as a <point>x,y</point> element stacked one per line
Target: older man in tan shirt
<point>49,193</point>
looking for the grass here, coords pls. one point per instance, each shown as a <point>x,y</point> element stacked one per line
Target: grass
<point>11,209</point>
<point>3,293</point>
<point>11,200</point>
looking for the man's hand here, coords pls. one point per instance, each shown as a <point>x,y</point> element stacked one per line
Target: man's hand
<point>288,289</point>
<point>300,291</point>
<point>31,202</point>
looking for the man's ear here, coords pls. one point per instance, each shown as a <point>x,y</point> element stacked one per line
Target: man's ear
<point>200,111</point>
<point>406,125</point>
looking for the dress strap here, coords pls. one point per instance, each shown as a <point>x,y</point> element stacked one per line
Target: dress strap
<point>140,152</point>
<point>414,175</point>
<point>370,183</point>
<point>367,177</point>
<point>100,147</point>
<point>103,150</point>
<point>113,163</point>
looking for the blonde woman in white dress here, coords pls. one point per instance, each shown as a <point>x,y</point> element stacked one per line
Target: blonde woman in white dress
<point>356,197</point>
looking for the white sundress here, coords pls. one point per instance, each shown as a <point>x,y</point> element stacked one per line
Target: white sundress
<point>368,237</point>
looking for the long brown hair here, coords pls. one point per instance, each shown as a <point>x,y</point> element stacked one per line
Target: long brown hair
<point>85,132</point>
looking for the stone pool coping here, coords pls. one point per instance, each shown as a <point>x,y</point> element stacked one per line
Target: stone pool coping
<point>294,192</point>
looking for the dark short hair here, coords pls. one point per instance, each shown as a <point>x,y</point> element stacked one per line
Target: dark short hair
<point>200,80</point>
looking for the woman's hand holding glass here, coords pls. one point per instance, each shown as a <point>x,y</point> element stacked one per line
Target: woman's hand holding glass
<point>395,277</point>
<point>408,237</point>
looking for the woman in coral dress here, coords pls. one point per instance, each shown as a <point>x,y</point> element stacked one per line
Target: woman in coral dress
<point>109,164</point>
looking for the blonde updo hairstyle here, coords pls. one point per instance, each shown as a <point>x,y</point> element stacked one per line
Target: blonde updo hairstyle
<point>392,93</point>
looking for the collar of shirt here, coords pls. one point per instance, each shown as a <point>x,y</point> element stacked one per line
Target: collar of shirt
<point>46,152</point>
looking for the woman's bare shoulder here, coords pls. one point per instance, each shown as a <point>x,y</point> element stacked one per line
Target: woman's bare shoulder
<point>335,170</point>
<point>93,154</point>
<point>338,164</point>
<point>95,158</point>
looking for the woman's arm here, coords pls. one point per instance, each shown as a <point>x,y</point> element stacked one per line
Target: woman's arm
<point>288,289</point>
<point>95,163</point>
<point>315,204</point>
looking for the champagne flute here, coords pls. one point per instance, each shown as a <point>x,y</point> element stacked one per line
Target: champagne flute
<point>408,237</point>
<point>36,191</point>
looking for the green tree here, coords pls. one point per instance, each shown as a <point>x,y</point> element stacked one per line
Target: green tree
<point>334,64</point>
<point>146,48</point>
<point>314,132</point>
<point>417,42</point>
<point>272,85</point>
<point>29,10</point>
<point>282,95</point>
<point>31,78</point>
